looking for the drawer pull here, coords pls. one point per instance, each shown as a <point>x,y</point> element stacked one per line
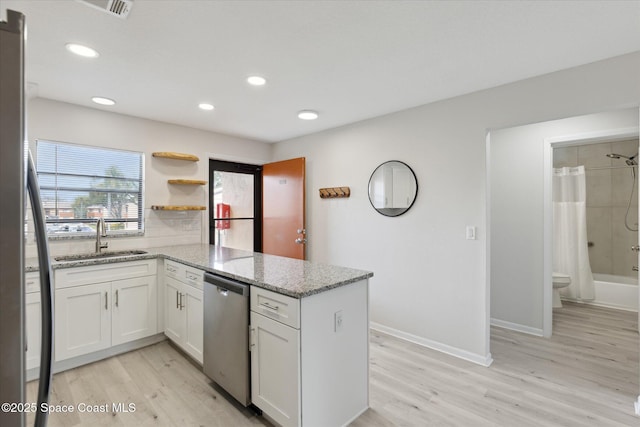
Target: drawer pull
<point>269,306</point>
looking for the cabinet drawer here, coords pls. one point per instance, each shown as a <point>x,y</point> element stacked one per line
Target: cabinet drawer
<point>32,282</point>
<point>100,273</point>
<point>189,275</point>
<point>172,269</point>
<point>276,306</point>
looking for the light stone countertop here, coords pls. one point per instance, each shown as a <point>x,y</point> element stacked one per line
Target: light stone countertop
<point>287,276</point>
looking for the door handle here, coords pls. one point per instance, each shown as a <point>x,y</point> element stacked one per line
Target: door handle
<point>117,298</point>
<point>301,240</point>
<point>177,301</point>
<point>635,248</point>
<point>301,231</point>
<point>106,300</point>
<point>181,304</point>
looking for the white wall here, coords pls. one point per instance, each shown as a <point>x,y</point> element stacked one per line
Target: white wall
<point>516,212</point>
<point>430,284</point>
<point>57,121</point>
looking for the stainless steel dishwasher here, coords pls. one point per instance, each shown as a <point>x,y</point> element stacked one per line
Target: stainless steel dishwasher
<point>226,335</point>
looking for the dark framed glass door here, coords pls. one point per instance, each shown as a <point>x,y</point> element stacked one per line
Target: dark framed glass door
<point>235,205</point>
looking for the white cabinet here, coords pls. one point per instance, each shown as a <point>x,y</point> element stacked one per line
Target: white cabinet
<point>134,309</point>
<point>94,312</point>
<point>82,320</point>
<point>33,319</point>
<point>184,307</point>
<point>275,369</point>
<point>310,356</point>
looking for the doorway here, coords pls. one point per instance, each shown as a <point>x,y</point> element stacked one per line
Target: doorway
<point>235,201</point>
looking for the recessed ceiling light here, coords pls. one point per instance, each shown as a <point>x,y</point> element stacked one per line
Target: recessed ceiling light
<point>81,50</point>
<point>103,101</point>
<point>205,106</point>
<point>307,115</point>
<point>256,81</point>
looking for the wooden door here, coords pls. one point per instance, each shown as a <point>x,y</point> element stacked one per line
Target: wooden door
<point>283,208</point>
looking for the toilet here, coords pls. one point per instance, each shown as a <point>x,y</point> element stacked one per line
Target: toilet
<point>560,280</point>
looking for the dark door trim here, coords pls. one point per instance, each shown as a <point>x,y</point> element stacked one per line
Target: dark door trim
<point>256,171</point>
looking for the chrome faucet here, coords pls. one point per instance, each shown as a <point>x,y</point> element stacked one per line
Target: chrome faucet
<point>101,231</point>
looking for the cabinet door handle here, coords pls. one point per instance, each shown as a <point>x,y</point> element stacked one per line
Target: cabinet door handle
<point>117,298</point>
<point>106,300</point>
<point>252,340</point>
<point>181,303</point>
<point>177,300</point>
<point>269,306</point>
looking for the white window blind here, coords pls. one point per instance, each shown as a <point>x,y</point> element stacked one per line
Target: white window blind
<point>80,184</point>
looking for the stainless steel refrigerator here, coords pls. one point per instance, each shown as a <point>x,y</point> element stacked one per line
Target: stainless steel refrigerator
<point>18,182</point>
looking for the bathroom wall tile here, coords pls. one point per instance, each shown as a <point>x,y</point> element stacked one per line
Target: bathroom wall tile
<point>599,232</point>
<point>622,182</point>
<point>565,156</point>
<point>623,258</point>
<point>626,148</point>
<point>594,155</point>
<point>598,185</point>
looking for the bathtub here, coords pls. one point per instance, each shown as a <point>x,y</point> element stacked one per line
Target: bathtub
<point>619,292</point>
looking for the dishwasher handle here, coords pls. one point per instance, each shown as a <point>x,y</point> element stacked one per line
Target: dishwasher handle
<point>227,284</point>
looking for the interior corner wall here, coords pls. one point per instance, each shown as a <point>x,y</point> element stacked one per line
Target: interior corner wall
<point>430,283</point>
<point>63,122</point>
<point>516,212</point>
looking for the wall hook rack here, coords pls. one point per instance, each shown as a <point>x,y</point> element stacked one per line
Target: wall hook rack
<point>334,192</point>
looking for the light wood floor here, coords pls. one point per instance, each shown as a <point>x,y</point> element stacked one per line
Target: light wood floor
<point>585,375</point>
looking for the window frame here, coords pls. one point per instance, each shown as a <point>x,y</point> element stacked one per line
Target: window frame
<point>139,220</point>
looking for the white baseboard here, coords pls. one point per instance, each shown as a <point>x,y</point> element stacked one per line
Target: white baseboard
<point>434,345</point>
<point>517,327</point>
<point>637,405</point>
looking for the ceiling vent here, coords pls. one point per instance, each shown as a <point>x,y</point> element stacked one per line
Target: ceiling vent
<point>119,8</point>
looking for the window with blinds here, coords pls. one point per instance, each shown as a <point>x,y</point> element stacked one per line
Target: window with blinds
<point>80,184</point>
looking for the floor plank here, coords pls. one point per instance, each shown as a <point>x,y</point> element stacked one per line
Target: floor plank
<point>585,375</point>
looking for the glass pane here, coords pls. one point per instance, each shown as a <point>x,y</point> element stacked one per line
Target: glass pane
<point>232,195</point>
<point>235,233</point>
<point>80,184</point>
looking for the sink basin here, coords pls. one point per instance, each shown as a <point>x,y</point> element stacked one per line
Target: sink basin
<point>106,254</point>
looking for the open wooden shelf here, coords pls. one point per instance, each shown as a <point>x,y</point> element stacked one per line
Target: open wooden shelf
<point>187,182</point>
<point>176,156</point>
<point>178,208</point>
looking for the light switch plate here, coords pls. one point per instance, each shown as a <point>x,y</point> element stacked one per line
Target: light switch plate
<point>471,232</point>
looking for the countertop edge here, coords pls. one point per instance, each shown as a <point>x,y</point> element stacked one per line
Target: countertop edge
<point>152,254</point>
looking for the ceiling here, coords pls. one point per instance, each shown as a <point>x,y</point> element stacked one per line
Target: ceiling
<point>348,60</point>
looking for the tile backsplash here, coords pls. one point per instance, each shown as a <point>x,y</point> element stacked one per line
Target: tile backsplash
<point>162,228</point>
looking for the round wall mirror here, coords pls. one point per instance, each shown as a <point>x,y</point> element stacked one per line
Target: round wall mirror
<point>393,188</point>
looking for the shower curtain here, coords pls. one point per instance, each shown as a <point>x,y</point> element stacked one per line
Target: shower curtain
<point>570,253</point>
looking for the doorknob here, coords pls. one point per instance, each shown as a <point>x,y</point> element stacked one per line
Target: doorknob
<point>301,241</point>
<point>301,231</point>
<point>635,248</point>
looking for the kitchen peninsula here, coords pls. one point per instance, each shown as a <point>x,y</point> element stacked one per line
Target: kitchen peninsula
<point>308,322</point>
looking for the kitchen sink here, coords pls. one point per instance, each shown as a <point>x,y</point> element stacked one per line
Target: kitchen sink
<point>106,254</point>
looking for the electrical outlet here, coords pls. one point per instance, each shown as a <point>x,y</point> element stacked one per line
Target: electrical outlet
<point>337,321</point>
